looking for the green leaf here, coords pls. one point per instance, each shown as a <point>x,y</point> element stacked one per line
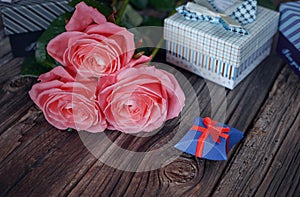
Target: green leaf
<point>152,21</point>
<point>164,5</point>
<point>267,3</point>
<point>31,67</point>
<point>57,27</point>
<point>131,18</point>
<point>139,4</point>
<point>100,5</point>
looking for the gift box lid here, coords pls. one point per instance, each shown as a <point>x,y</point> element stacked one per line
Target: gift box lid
<point>31,15</point>
<point>290,22</point>
<point>212,40</point>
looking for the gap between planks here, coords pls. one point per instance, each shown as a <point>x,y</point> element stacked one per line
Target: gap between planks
<point>267,162</point>
<point>68,152</point>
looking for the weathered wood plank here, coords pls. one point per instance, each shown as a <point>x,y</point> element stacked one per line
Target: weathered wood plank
<point>40,143</point>
<point>267,162</point>
<point>10,67</point>
<point>283,175</point>
<point>57,162</point>
<point>14,100</point>
<point>5,59</point>
<point>38,153</point>
<point>4,46</point>
<point>187,175</point>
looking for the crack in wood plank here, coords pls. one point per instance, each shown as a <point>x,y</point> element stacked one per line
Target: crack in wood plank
<point>263,155</point>
<point>64,166</point>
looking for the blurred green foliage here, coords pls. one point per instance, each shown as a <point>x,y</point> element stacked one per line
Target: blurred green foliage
<point>57,27</point>
<point>267,3</point>
<point>101,5</point>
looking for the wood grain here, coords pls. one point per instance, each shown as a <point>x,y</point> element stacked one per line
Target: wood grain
<point>14,101</point>
<point>9,66</point>
<point>57,162</point>
<point>267,162</point>
<point>37,159</point>
<point>4,44</point>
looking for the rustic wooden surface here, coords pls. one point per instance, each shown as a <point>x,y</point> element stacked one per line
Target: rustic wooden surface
<point>37,159</point>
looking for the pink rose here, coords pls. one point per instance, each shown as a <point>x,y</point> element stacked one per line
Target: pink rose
<point>140,99</point>
<point>67,103</point>
<point>92,46</point>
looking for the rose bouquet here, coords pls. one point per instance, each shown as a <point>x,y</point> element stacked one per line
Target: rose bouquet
<point>100,83</point>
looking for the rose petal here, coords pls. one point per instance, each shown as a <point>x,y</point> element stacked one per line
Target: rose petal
<point>106,29</point>
<point>58,45</point>
<point>139,99</point>
<point>123,38</point>
<point>67,103</point>
<point>57,73</point>
<point>84,16</point>
<point>142,60</point>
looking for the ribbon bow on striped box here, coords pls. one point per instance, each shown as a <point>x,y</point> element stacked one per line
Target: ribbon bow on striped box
<point>209,139</point>
<point>217,55</point>
<point>230,14</point>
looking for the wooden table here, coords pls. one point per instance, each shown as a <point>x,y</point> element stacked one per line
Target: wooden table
<point>38,160</point>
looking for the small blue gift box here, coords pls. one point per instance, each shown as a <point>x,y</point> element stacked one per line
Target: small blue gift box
<point>209,139</point>
<point>289,34</point>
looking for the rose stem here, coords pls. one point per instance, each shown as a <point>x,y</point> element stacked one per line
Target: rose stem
<point>157,47</point>
<point>121,11</point>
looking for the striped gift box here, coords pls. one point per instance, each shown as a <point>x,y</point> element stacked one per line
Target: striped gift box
<point>31,15</point>
<point>289,34</point>
<point>24,21</point>
<point>215,54</point>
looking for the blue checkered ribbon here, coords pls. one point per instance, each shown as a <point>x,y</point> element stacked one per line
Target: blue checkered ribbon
<point>243,14</point>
